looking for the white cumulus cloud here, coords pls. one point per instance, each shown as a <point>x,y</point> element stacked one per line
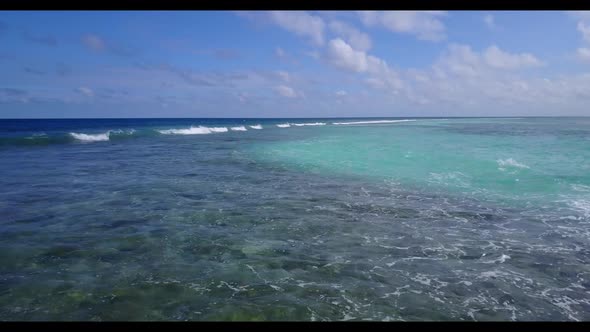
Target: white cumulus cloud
<point>343,56</point>
<point>425,25</point>
<point>357,39</point>
<point>497,58</point>
<point>463,61</point>
<point>300,23</point>
<point>459,60</point>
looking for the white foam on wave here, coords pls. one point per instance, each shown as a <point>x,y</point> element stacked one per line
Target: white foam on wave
<point>582,205</point>
<point>370,122</point>
<point>309,124</point>
<point>121,131</point>
<point>200,130</point>
<point>91,138</point>
<point>510,162</point>
<point>580,187</point>
<point>102,136</point>
<point>187,131</point>
<point>256,127</point>
<point>239,128</point>
<point>284,125</point>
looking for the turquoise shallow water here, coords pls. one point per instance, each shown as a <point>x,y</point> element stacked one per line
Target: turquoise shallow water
<point>187,219</point>
<point>515,159</point>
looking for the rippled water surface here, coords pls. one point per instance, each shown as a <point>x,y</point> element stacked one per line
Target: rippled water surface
<point>295,219</point>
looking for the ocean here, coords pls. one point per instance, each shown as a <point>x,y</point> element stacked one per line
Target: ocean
<point>295,219</point>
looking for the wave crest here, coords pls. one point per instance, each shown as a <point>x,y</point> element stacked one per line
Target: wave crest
<point>200,130</point>
<point>239,128</point>
<point>309,124</point>
<point>91,138</point>
<point>284,125</point>
<point>370,122</point>
<point>256,127</point>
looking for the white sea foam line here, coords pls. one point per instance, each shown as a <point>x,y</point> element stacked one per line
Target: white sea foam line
<point>193,131</point>
<point>91,138</point>
<point>582,205</point>
<point>284,125</point>
<point>256,127</point>
<point>309,124</point>
<point>239,128</point>
<point>98,137</point>
<point>580,187</point>
<point>370,122</point>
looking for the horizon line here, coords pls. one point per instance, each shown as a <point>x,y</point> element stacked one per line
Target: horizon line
<point>282,118</point>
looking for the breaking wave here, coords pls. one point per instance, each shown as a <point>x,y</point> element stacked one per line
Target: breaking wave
<point>91,138</point>
<point>200,130</point>
<point>370,122</point>
<point>309,124</point>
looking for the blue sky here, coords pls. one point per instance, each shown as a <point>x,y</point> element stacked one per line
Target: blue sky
<point>293,64</point>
